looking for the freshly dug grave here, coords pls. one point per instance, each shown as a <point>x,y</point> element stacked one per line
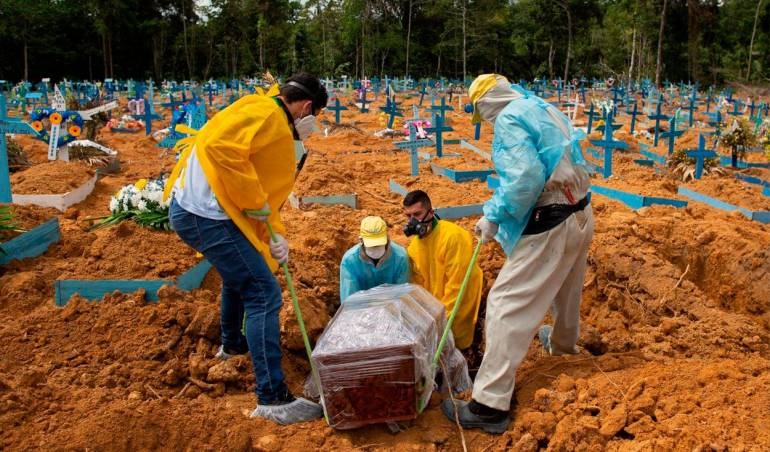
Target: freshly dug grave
<point>674,339</point>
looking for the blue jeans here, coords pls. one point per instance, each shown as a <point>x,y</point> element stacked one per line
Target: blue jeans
<point>248,287</point>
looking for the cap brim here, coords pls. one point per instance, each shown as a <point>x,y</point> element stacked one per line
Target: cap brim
<point>375,241</point>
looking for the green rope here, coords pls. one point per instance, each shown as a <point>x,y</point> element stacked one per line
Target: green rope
<point>453,314</point>
<point>300,320</point>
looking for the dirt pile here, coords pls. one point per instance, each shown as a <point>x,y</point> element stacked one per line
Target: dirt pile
<point>675,335</point>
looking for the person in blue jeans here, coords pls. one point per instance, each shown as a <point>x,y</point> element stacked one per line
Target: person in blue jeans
<point>228,176</point>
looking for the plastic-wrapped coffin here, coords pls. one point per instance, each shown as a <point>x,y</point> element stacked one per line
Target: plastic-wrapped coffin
<point>374,360</point>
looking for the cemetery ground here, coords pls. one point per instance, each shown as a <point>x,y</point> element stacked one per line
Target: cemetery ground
<point>675,316</point>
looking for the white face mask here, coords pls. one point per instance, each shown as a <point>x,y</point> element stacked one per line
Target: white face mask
<point>305,126</point>
<point>375,252</point>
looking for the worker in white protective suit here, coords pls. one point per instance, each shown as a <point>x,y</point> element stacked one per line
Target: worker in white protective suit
<point>541,217</point>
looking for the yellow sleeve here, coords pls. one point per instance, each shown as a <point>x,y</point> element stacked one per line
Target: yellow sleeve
<point>229,147</point>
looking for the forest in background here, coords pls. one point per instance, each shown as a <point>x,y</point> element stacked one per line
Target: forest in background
<point>709,41</point>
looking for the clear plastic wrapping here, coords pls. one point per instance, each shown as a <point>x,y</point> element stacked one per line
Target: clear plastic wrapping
<point>374,357</point>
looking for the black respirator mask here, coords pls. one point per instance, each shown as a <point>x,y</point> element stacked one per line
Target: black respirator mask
<point>419,227</point>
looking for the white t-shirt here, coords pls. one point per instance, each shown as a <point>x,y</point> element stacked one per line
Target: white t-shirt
<point>193,192</point>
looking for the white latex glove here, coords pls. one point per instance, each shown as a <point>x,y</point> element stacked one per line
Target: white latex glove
<point>279,249</point>
<point>305,126</point>
<point>486,229</point>
<point>259,214</point>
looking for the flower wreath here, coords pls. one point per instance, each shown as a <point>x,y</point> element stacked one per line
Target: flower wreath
<point>70,133</point>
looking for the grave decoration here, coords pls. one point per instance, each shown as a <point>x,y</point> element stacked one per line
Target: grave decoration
<point>69,120</point>
<point>142,202</point>
<point>93,153</point>
<point>738,138</point>
<point>124,124</point>
<point>374,359</point>
<point>8,226</point>
<point>692,164</point>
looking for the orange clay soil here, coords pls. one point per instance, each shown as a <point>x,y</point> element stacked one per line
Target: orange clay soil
<point>674,336</point>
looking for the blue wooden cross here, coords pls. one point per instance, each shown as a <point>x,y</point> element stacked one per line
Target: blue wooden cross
<point>582,91</point>
<point>337,109</point>
<point>393,111</point>
<point>439,128</point>
<point>716,122</point>
<point>8,125</point>
<point>657,117</point>
<point>700,155</point>
<point>752,107</point>
<point>147,117</point>
<point>609,116</point>
<point>211,89</point>
<point>558,90</point>
<point>413,144</point>
<point>692,107</point>
<point>386,108</point>
<point>423,91</point>
<point>440,109</point>
<point>538,88</point>
<point>672,134</point>
<point>736,106</point>
<point>633,113</point>
<point>591,115</point>
<point>709,98</point>
<point>608,144</point>
<point>363,100</point>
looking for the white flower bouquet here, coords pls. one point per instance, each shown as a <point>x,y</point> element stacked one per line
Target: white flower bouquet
<point>142,202</point>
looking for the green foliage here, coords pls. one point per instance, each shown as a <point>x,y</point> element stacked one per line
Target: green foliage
<point>739,137</point>
<point>704,40</point>
<point>7,225</point>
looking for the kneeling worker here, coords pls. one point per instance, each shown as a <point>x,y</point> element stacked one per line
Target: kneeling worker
<point>373,261</point>
<point>439,255</point>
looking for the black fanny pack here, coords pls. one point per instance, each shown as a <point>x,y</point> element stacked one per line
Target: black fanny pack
<point>544,218</point>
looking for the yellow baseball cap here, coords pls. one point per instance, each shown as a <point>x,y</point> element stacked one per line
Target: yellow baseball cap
<point>374,231</point>
<point>480,86</point>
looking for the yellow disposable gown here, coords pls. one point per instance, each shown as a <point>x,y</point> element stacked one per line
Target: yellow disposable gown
<point>247,154</point>
<point>439,262</point>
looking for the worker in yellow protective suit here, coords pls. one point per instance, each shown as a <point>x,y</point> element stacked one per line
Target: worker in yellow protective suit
<point>230,181</point>
<point>439,255</point>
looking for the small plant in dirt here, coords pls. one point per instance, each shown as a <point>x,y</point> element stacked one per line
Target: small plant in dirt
<point>738,138</point>
<point>17,157</point>
<point>682,166</point>
<point>8,225</point>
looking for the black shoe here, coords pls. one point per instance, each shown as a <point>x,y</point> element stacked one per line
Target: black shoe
<point>475,415</point>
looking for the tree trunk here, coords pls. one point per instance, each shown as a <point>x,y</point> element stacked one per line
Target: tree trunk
<point>465,39</point>
<point>633,54</point>
<point>551,54</point>
<point>565,4</point>
<point>660,43</point>
<point>633,45</point>
<point>26,62</point>
<point>184,38</point>
<point>751,45</point>
<point>693,38</point>
<point>408,37</point>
